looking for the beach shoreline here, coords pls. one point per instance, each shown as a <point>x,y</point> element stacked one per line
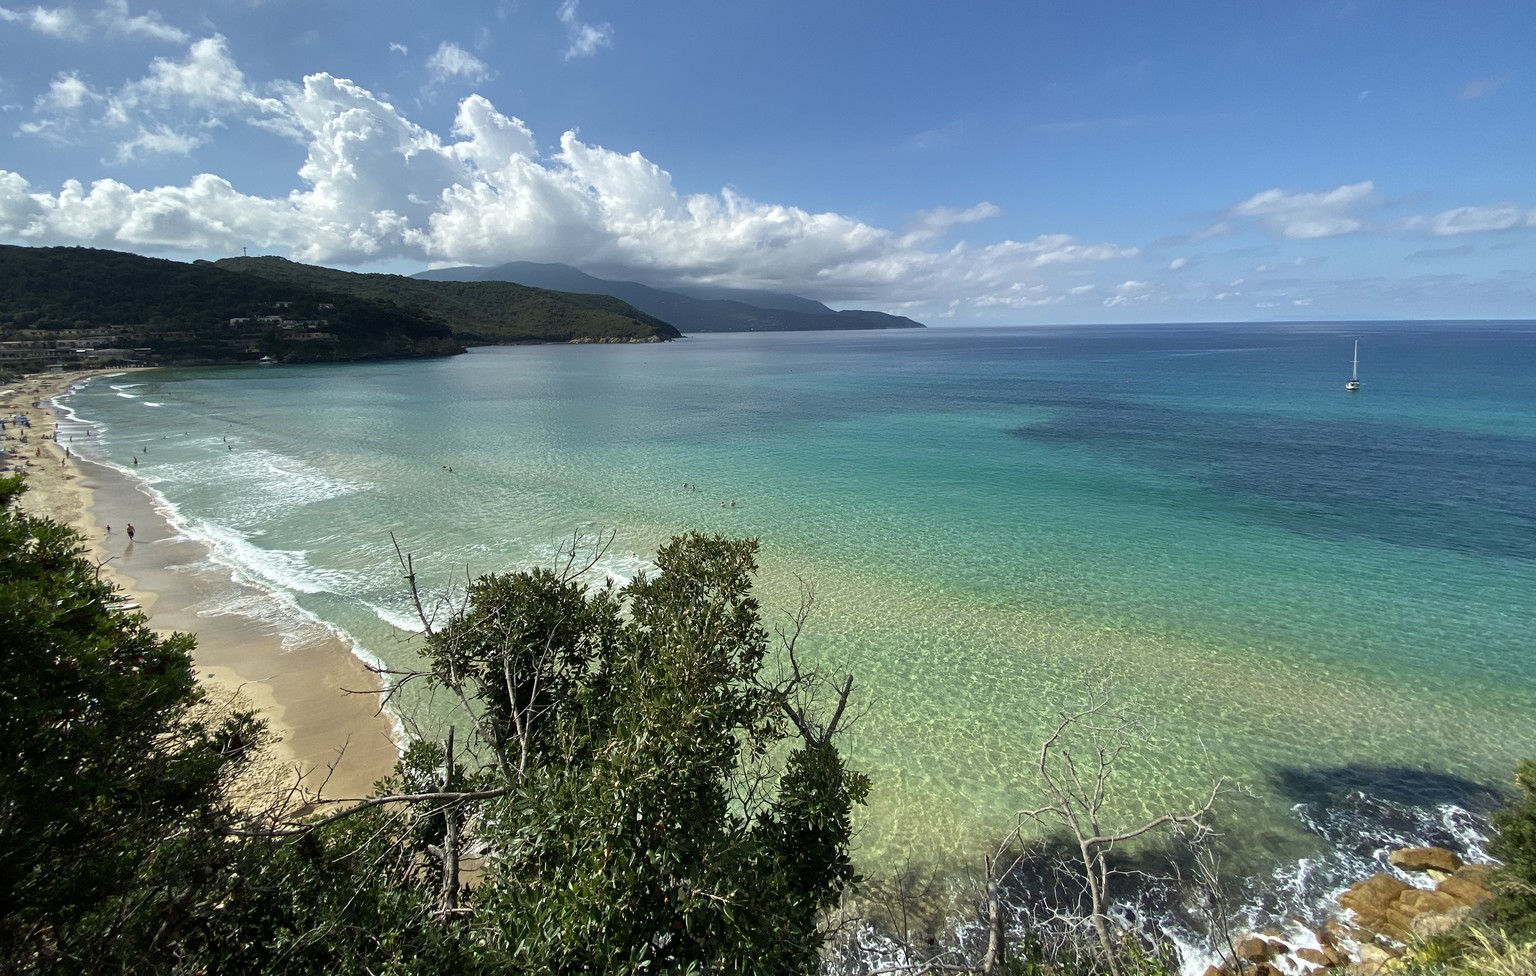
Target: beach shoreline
<point>328,735</point>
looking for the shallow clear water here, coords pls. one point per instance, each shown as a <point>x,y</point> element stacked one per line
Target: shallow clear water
<point>1307,590</point>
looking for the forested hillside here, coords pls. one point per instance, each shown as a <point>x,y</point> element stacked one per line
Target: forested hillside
<point>479,311</point>
<point>132,308</point>
<point>77,306</point>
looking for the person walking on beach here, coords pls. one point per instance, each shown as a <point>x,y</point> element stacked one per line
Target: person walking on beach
<point>130,531</point>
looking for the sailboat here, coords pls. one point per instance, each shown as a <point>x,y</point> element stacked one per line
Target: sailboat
<point>1354,373</point>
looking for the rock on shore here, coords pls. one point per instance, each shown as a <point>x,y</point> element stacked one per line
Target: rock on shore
<point>1384,913</point>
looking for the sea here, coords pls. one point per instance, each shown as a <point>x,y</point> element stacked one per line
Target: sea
<point>1325,600</point>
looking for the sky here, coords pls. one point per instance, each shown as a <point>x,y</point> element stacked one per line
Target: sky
<point>970,162</point>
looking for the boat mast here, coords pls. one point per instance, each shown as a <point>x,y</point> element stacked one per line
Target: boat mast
<point>1354,370</point>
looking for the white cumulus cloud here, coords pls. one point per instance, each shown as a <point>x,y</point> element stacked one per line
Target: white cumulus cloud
<point>929,224</point>
<point>66,93</point>
<point>206,79</point>
<point>53,21</point>
<point>585,38</point>
<point>375,185</point>
<point>1477,220</point>
<point>115,18</point>
<point>1304,216</point>
<point>159,141</point>
<point>169,110</point>
<point>452,61</point>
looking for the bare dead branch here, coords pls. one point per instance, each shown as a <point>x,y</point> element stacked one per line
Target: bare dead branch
<point>294,829</point>
<point>1079,798</point>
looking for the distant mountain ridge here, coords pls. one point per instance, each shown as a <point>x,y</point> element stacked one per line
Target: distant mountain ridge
<point>691,309</point>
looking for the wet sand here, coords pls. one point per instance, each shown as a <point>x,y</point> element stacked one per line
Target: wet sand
<point>320,703</point>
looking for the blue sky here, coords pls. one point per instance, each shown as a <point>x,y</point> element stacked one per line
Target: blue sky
<point>960,162</point>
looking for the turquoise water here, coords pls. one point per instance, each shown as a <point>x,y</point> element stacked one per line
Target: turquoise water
<point>1308,591</point>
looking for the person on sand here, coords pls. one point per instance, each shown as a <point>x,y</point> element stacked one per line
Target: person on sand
<point>130,531</point>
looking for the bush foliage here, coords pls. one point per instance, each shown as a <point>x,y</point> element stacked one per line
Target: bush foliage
<point>650,804</point>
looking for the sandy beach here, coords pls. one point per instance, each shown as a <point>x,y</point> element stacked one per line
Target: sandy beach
<point>320,703</point>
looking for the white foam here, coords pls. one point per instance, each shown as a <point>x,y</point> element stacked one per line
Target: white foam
<point>275,575</point>
<point>282,569</point>
<point>260,596</point>
<point>297,627</point>
<point>1299,897</point>
<point>400,619</point>
<point>262,485</point>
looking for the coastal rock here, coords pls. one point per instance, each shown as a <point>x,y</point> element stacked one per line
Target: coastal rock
<point>1372,901</point>
<point>1416,901</point>
<point>1469,886</point>
<point>1386,907</point>
<point>1384,912</point>
<point>1314,957</point>
<point>1432,924</point>
<point>1374,960</point>
<point>1327,957</point>
<point>1254,949</point>
<point>1425,859</point>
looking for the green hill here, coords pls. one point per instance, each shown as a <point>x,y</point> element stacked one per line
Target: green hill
<point>479,311</point>
<point>83,306</point>
<point>88,306</point>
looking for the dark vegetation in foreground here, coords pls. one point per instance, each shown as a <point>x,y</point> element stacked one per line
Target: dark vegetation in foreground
<point>650,784</point>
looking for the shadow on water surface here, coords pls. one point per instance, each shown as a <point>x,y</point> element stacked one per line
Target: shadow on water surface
<point>1356,814</point>
<point>935,910</point>
<point>1400,785</point>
